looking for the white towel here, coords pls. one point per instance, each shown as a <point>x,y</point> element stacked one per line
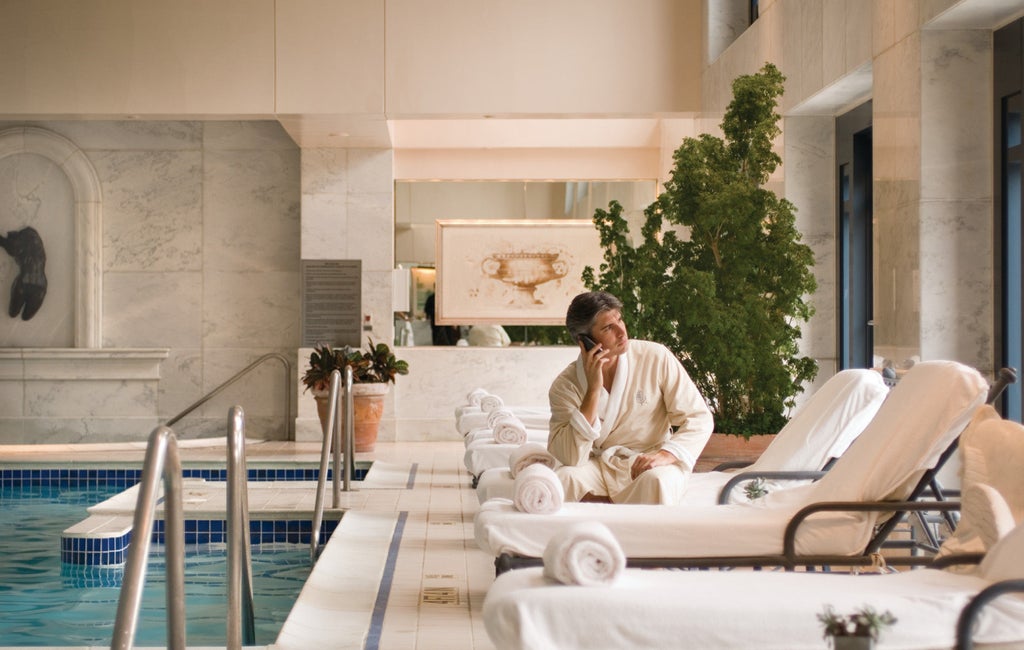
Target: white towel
<point>538,491</point>
<point>586,554</point>
<point>529,453</point>
<point>493,416</point>
<point>509,430</point>
<point>474,396</point>
<point>490,403</point>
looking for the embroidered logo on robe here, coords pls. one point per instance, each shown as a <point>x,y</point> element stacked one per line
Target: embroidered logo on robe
<point>641,398</point>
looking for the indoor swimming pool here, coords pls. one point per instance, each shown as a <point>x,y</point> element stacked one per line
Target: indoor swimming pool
<point>45,601</point>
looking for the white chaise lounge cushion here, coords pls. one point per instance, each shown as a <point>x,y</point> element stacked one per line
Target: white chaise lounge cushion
<point>922,416</point>
<point>823,428</point>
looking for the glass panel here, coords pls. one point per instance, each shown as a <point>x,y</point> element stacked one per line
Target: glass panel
<point>1011,121</point>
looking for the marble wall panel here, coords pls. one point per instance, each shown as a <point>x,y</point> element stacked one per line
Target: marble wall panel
<point>97,398</point>
<point>371,171</point>
<point>250,309</point>
<point>956,292</point>
<point>181,383</point>
<point>260,392</point>
<point>371,231</point>
<point>152,209</point>
<point>956,142</point>
<point>810,184</point>
<point>251,210</point>
<point>153,309</point>
<point>956,297</point>
<point>90,429</point>
<point>324,227</point>
<point>12,397</point>
<point>324,203</point>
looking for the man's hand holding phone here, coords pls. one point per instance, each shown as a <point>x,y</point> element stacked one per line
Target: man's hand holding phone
<point>588,343</point>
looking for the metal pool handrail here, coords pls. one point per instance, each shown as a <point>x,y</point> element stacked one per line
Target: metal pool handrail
<point>162,461</point>
<point>241,619</point>
<point>289,421</point>
<point>333,439</point>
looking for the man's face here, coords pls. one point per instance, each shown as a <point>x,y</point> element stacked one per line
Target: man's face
<point>610,331</point>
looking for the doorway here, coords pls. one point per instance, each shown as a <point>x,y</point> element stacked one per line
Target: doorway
<point>854,238</point>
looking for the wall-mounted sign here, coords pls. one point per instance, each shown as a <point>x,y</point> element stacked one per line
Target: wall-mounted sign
<point>332,302</point>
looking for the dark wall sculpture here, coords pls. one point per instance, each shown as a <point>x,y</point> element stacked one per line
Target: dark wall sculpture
<point>29,288</point>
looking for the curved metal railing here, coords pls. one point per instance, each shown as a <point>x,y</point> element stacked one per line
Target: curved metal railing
<point>289,420</point>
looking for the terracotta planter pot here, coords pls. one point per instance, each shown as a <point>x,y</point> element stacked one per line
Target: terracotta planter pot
<point>367,408</point>
<point>723,447</point>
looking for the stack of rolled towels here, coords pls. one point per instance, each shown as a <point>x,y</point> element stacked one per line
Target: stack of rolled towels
<point>584,553</point>
<point>537,490</point>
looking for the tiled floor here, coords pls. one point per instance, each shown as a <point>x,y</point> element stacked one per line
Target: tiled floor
<point>440,577</point>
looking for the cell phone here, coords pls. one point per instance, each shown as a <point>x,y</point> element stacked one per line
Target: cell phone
<point>588,343</point>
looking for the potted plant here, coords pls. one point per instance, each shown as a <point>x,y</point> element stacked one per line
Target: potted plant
<point>373,371</point>
<point>719,274</point>
<point>858,631</point>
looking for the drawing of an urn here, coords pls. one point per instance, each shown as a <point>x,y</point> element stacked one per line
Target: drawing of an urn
<point>524,272</point>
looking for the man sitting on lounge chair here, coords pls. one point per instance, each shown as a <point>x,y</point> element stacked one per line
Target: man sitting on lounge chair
<point>627,422</point>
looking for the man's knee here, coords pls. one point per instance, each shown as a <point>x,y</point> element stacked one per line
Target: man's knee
<point>663,485</point>
<point>577,482</point>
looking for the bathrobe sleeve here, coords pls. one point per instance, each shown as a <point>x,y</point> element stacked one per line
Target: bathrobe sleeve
<point>570,436</point>
<point>688,413</point>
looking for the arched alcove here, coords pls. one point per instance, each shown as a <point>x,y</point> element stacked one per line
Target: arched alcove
<point>87,221</point>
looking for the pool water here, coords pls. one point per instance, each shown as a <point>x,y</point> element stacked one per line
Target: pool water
<point>45,603</point>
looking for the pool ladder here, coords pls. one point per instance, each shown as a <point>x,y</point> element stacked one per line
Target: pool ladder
<point>163,461</point>
<point>333,439</point>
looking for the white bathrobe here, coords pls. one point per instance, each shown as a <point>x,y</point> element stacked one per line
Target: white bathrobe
<point>651,395</point>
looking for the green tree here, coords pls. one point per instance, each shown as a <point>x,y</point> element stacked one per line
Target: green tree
<point>719,274</point>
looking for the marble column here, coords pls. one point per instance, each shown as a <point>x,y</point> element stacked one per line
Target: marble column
<point>810,184</point>
<point>347,214</point>
<point>956,229</point>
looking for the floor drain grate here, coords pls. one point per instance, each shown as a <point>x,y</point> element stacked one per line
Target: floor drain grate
<point>440,596</point>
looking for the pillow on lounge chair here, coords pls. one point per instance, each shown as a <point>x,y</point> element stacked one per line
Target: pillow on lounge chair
<point>1003,561</point>
<point>989,448</point>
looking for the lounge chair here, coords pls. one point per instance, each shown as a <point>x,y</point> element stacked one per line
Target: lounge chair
<point>831,521</point>
<point>818,433</point>
<point>748,609</point>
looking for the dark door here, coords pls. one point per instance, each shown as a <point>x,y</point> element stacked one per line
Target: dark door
<point>855,278</point>
<point>1008,81</point>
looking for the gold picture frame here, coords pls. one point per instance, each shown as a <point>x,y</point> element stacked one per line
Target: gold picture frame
<point>512,271</point>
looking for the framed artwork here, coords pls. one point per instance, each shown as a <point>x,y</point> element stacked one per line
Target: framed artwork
<point>512,272</point>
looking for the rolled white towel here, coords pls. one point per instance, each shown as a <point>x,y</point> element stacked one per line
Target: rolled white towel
<point>493,416</point>
<point>474,396</point>
<point>509,430</point>
<point>529,453</point>
<point>584,553</point>
<point>490,403</point>
<point>537,490</point>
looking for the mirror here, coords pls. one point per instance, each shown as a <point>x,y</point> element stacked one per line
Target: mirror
<point>418,204</point>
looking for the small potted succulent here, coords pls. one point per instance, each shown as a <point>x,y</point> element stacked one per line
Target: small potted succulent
<point>857,631</point>
<point>373,371</point>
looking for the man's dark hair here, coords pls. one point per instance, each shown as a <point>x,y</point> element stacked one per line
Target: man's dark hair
<point>585,307</point>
